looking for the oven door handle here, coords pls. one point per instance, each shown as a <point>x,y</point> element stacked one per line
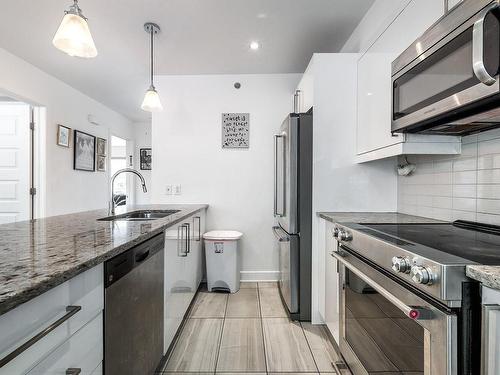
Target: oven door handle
<point>415,313</point>
<point>478,48</point>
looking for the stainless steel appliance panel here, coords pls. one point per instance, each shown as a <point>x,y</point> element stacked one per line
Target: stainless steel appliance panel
<point>133,325</point>
<point>450,74</point>
<point>385,328</point>
<point>289,268</point>
<point>286,176</point>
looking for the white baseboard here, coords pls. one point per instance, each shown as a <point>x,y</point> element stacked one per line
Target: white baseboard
<point>259,276</point>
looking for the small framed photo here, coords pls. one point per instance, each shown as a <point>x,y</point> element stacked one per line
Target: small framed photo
<point>101,146</point>
<point>101,163</point>
<point>146,155</point>
<point>84,152</point>
<point>63,135</point>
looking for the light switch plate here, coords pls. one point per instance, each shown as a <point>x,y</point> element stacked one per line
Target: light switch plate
<point>177,189</point>
<point>168,190</point>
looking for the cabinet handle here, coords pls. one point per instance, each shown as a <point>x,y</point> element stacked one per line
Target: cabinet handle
<point>70,311</point>
<point>180,241</point>
<point>188,238</point>
<point>197,218</point>
<point>73,371</point>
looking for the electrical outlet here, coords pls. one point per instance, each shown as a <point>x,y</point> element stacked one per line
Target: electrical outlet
<point>177,189</point>
<point>168,190</point>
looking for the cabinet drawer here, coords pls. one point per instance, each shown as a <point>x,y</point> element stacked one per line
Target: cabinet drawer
<point>24,322</point>
<point>83,351</point>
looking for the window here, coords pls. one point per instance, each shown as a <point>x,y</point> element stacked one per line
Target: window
<point>119,161</point>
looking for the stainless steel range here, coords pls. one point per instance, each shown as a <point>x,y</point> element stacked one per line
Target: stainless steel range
<point>406,303</point>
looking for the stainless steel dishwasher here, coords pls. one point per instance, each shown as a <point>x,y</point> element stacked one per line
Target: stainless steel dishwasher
<point>133,310</point>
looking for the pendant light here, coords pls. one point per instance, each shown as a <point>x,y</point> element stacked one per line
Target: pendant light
<point>73,35</point>
<point>151,102</point>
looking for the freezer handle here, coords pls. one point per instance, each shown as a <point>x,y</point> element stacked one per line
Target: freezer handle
<point>279,236</point>
<point>276,170</point>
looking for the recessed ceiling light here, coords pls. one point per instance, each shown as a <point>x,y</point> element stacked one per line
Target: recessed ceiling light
<point>254,46</point>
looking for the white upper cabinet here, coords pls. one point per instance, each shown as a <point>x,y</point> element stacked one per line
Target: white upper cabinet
<point>374,138</point>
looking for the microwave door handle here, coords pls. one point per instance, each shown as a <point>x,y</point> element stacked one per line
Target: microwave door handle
<point>414,313</point>
<point>276,156</point>
<point>478,48</point>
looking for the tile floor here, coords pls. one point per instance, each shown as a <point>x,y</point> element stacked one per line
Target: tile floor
<point>248,332</point>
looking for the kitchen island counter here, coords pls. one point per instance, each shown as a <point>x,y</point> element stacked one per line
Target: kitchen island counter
<point>38,255</point>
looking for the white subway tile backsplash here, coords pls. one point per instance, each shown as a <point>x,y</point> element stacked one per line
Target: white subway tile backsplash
<point>456,187</point>
<point>465,177</point>
<point>488,191</point>
<point>464,204</point>
<point>464,191</point>
<point>488,176</point>
<point>491,161</point>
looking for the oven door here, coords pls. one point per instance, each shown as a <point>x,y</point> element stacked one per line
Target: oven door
<point>443,83</point>
<point>386,328</point>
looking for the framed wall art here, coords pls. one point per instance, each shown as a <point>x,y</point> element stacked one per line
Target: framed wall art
<point>63,135</point>
<point>84,152</point>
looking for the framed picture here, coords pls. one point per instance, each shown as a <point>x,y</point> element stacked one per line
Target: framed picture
<point>145,154</point>
<point>63,134</point>
<point>101,163</point>
<point>101,146</point>
<point>84,152</point>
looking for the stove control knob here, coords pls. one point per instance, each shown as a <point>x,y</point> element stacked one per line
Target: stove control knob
<point>422,275</point>
<point>344,235</point>
<point>401,264</point>
<point>335,232</point>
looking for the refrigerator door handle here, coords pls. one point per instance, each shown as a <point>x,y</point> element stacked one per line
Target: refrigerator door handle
<point>280,238</point>
<point>276,167</point>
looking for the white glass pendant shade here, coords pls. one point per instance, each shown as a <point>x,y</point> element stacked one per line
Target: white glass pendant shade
<point>73,37</point>
<point>151,102</point>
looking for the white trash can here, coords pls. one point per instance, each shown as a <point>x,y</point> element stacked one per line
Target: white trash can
<point>223,260</point>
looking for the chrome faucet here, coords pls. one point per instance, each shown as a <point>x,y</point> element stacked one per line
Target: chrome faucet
<point>124,170</point>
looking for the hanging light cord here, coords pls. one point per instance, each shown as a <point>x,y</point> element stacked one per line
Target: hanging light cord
<point>152,67</point>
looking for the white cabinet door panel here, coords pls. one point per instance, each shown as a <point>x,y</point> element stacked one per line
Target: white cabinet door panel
<point>22,323</point>
<point>374,74</point>
<point>84,351</point>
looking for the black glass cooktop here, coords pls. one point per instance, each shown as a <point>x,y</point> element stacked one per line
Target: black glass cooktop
<point>476,242</point>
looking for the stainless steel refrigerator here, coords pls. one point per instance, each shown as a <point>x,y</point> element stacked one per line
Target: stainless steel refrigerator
<point>293,146</point>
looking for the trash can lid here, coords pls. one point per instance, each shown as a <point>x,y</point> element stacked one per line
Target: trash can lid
<point>228,235</point>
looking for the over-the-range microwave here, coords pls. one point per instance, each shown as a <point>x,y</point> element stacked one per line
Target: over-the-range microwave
<point>447,82</point>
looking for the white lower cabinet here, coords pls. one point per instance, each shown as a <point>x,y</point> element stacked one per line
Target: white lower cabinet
<point>491,331</point>
<point>68,308</point>
<point>80,354</point>
<point>332,317</point>
<point>183,271</point>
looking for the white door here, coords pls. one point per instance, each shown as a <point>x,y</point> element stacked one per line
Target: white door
<point>14,162</point>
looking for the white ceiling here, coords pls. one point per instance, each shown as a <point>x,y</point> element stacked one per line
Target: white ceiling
<point>198,37</point>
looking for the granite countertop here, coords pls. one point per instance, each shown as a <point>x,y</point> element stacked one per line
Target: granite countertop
<point>38,255</point>
<point>374,217</point>
<point>488,275</point>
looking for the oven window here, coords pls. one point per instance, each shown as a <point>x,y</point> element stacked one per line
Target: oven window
<point>381,336</point>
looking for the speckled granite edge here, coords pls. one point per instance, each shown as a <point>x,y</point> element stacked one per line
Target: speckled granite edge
<point>20,283</point>
<point>374,217</point>
<point>488,275</point>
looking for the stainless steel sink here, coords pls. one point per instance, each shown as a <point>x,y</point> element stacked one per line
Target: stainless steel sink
<point>140,215</point>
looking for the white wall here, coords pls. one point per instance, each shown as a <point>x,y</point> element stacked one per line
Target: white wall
<point>237,184</point>
<point>142,136</point>
<point>66,190</point>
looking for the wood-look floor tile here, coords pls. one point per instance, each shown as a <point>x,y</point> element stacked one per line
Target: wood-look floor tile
<point>242,346</point>
<point>286,347</point>
<point>271,305</point>
<point>322,349</point>
<point>243,304</point>
<point>294,373</point>
<point>248,285</point>
<point>268,284</point>
<point>197,346</point>
<point>209,305</point>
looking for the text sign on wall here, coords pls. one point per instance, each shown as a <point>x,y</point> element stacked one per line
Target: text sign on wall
<point>235,130</point>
